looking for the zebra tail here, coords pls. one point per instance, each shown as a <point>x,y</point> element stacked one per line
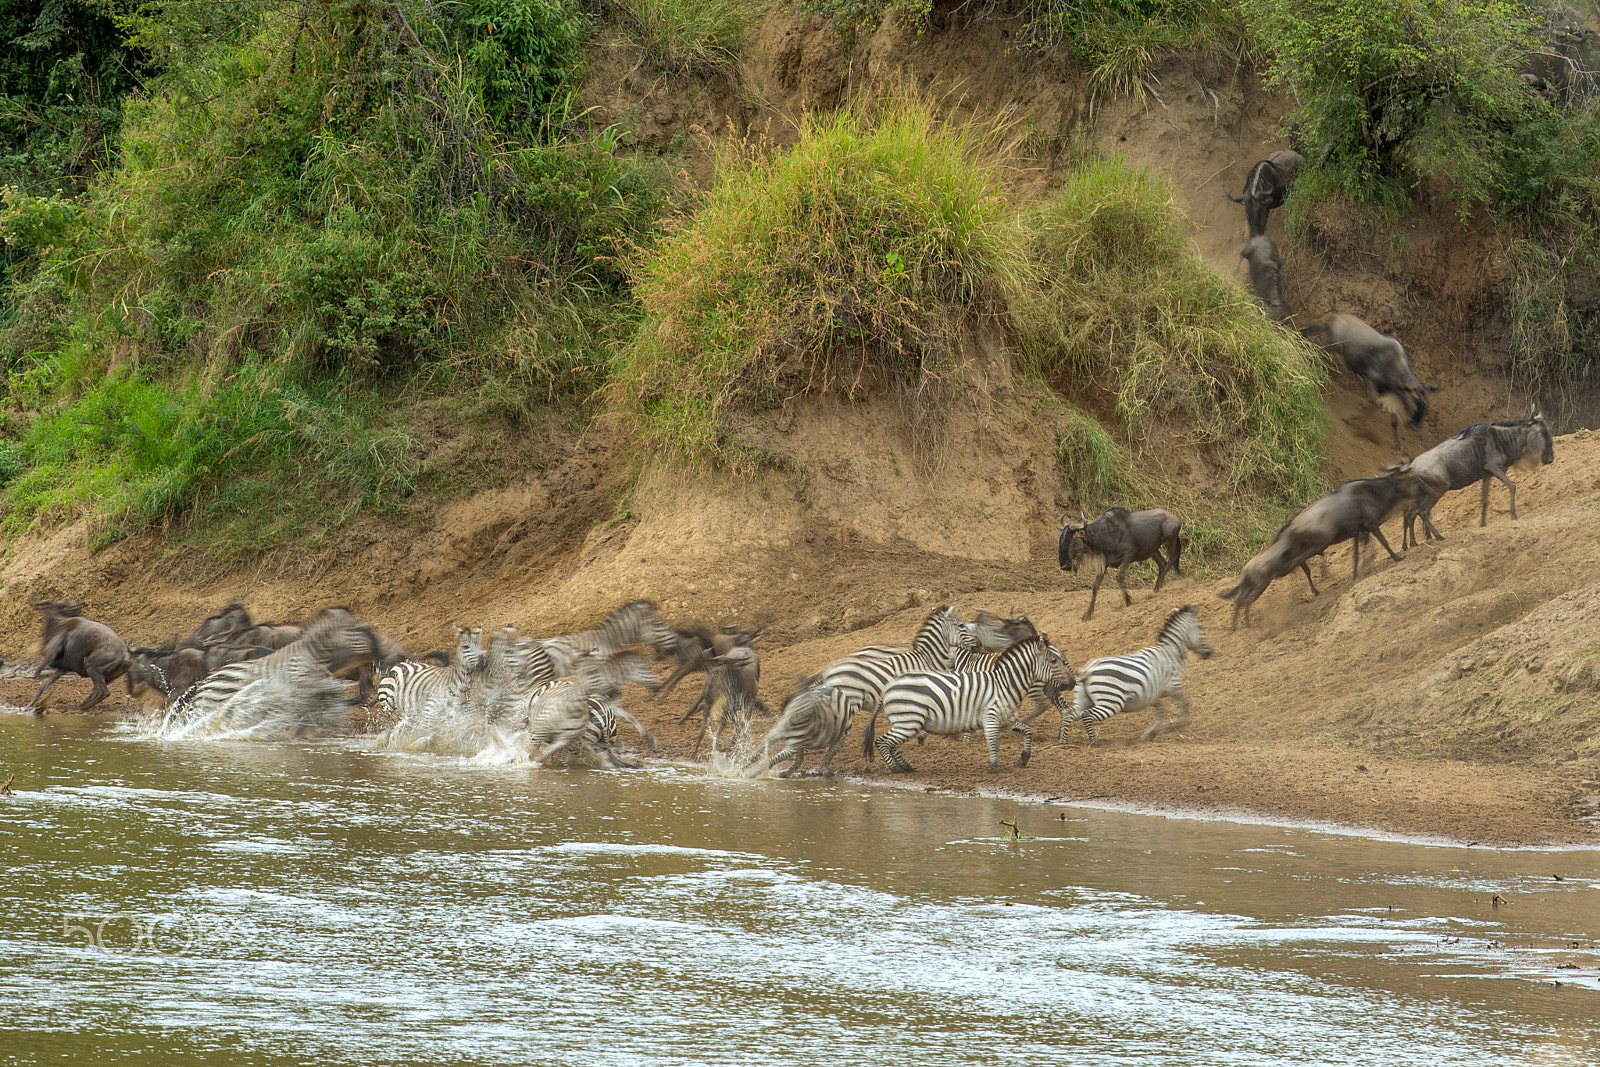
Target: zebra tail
<point>866,738</point>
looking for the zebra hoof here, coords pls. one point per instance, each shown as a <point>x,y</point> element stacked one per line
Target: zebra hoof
<point>1022,760</point>
<point>901,768</point>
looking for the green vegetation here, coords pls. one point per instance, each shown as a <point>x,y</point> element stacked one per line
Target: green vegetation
<point>869,253</point>
<point>853,259</point>
<point>317,210</point>
<point>1120,41</point>
<point>1396,94</point>
<point>698,36</point>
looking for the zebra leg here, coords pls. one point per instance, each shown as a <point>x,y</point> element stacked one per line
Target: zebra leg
<point>991,737</point>
<point>825,768</point>
<point>1090,717</point>
<point>1155,727</point>
<point>888,744</point>
<point>551,749</point>
<point>1027,742</point>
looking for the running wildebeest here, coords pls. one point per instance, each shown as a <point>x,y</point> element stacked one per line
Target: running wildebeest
<point>1482,451</point>
<point>1352,511</point>
<point>1266,275</point>
<point>1266,186</point>
<point>71,643</point>
<point>1380,361</point>
<point>1120,538</point>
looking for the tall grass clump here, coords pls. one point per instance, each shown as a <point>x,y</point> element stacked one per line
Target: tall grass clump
<point>1120,41</point>
<point>695,36</point>
<point>1124,318</point>
<point>345,204</point>
<point>854,259</point>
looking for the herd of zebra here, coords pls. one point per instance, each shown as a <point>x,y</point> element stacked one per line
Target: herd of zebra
<point>522,699</point>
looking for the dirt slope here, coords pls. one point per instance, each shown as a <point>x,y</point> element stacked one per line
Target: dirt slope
<point>1452,693</point>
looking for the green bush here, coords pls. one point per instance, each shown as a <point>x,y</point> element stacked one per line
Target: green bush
<point>1125,315</point>
<point>1120,41</point>
<point>851,259</point>
<point>691,35</point>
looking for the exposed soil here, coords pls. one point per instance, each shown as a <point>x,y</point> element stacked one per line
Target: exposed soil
<point>1455,693</point>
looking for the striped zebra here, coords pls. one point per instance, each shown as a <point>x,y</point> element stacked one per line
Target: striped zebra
<point>420,694</point>
<point>291,693</point>
<point>1140,679</point>
<point>557,714</point>
<point>946,702</point>
<point>634,623</point>
<point>600,734</point>
<point>822,722</point>
<point>814,718</point>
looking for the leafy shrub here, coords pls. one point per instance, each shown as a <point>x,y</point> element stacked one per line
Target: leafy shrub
<point>852,258</point>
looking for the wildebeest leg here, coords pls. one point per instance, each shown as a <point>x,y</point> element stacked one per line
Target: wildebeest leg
<point>1122,573</point>
<point>1094,591</point>
<point>48,682</point>
<point>1377,531</point>
<point>1484,517</point>
<point>1394,424</point>
<point>101,691</point>
<point>1175,549</point>
<point>1428,527</point>
<point>1305,565</point>
<point>1161,570</point>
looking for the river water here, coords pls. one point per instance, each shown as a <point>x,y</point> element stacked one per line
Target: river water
<point>249,903</point>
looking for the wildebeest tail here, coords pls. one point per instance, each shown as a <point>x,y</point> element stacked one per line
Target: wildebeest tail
<point>1229,594</point>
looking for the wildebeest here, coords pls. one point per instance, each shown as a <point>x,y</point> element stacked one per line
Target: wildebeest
<point>72,643</point>
<point>1265,187</point>
<point>1381,362</point>
<point>1564,65</point>
<point>225,623</point>
<point>1266,274</point>
<point>1482,451</point>
<point>994,634</point>
<point>171,671</point>
<point>695,647</point>
<point>730,691</point>
<point>1354,510</point>
<point>1120,538</point>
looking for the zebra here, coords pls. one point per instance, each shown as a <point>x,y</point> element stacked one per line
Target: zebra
<point>600,733</point>
<point>557,713</point>
<point>817,717</point>
<point>1140,679</point>
<point>292,692</point>
<point>632,624</point>
<point>947,702</point>
<point>821,722</point>
<point>417,693</point>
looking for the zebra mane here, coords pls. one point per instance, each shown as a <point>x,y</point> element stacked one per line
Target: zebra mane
<point>1017,649</point>
<point>1170,627</point>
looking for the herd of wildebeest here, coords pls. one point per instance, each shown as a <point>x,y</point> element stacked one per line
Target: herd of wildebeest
<point>536,699</point>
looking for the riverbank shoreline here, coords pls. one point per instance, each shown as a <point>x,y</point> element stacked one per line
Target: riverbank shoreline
<point>1190,776</point>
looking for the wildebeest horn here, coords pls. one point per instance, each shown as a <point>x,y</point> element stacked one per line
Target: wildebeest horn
<point>1063,521</point>
<point>1084,517</point>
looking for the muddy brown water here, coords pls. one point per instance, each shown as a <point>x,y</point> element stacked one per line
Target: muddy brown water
<point>243,903</point>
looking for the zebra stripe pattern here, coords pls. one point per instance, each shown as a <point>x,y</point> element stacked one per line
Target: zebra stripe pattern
<point>821,722</point>
<point>291,693</point>
<point>420,693</point>
<point>632,624</point>
<point>945,702</point>
<point>1140,679</point>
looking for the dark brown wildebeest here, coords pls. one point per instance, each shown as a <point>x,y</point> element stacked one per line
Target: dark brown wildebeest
<point>994,634</point>
<point>71,643</point>
<point>1381,362</point>
<point>1265,188</point>
<point>1266,275</point>
<point>1354,510</point>
<point>224,624</point>
<point>1120,538</point>
<point>1480,452</point>
<point>171,671</point>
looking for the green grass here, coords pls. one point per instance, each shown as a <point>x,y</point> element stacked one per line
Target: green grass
<point>851,261</point>
<point>861,258</point>
<point>1124,315</point>
<point>691,35</point>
